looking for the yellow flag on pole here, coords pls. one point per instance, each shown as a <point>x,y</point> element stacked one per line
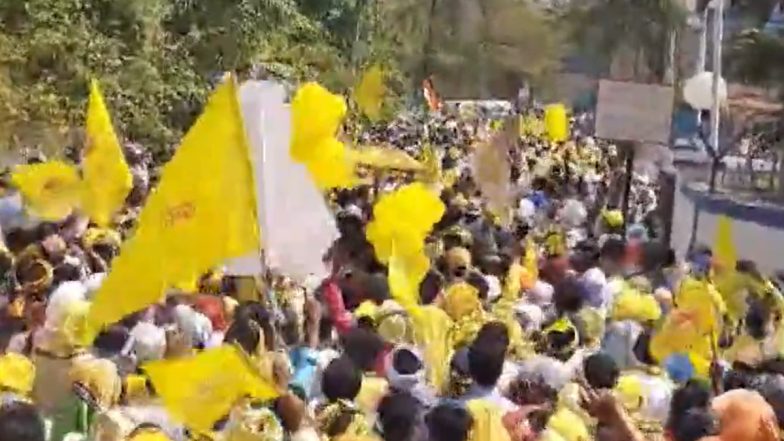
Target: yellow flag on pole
<point>724,251</point>
<point>198,391</point>
<point>107,179</point>
<point>369,93</point>
<point>49,189</point>
<point>202,213</point>
<point>406,272</point>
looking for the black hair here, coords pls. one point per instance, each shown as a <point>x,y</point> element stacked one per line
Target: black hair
<point>363,347</point>
<point>757,319</point>
<point>448,422</point>
<point>695,424</point>
<point>568,296</point>
<point>245,333</point>
<point>695,394</point>
<point>377,288</point>
<point>738,378</point>
<point>614,249</point>
<point>431,286</point>
<point>21,422</point>
<point>642,348</point>
<point>112,340</point>
<point>341,380</point>
<point>486,362</point>
<point>397,414</point>
<point>406,362</point>
<point>748,267</point>
<point>601,372</point>
<point>256,312</point>
<point>493,332</point>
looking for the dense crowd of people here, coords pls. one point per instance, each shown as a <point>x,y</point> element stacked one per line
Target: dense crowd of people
<point>547,319</point>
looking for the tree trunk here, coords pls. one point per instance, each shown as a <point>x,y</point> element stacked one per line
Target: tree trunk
<point>669,59</point>
<point>428,47</point>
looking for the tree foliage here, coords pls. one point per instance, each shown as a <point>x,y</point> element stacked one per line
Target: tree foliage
<point>157,59</point>
<point>607,28</point>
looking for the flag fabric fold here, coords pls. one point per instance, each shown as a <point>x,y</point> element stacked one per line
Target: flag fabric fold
<point>50,190</point>
<point>200,390</point>
<point>369,93</point>
<point>106,176</point>
<point>202,213</point>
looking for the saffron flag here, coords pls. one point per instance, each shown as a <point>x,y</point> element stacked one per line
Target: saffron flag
<point>198,391</point>
<point>369,93</point>
<point>49,189</point>
<point>107,179</point>
<point>202,214</point>
<point>431,96</point>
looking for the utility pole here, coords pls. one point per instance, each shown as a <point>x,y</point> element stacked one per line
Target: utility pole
<point>718,37</point>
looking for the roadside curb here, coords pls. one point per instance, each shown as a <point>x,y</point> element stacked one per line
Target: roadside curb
<point>764,214</point>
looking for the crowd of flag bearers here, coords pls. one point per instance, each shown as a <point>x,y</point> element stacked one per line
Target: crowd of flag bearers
<point>483,285</point>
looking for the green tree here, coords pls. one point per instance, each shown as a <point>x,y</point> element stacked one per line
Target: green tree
<point>622,32</point>
<point>475,48</point>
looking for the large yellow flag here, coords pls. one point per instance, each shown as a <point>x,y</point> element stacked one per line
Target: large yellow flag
<point>107,179</point>
<point>49,189</point>
<point>202,213</point>
<point>200,390</point>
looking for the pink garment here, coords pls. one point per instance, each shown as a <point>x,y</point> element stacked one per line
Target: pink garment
<point>333,297</point>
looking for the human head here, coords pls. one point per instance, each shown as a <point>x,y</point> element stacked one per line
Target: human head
<point>486,362</point>
<point>601,372</point>
<point>695,424</point>
<point>449,422</point>
<point>21,422</point>
<point>341,380</point>
<point>398,414</point>
<point>692,395</point>
<point>363,347</point>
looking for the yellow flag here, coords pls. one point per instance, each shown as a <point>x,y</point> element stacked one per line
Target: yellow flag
<point>488,421</point>
<point>198,391</point>
<point>406,272</point>
<point>431,165</point>
<point>403,218</point>
<point>531,265</point>
<point>107,179</point>
<point>556,123</point>
<point>431,331</point>
<point>50,189</point>
<point>202,213</point>
<point>369,93</point>
<point>316,115</point>
<point>724,252</point>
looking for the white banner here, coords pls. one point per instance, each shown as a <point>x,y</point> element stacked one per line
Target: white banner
<point>296,226</point>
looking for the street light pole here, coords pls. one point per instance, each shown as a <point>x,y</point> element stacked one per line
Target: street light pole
<point>703,42</point>
<point>718,36</point>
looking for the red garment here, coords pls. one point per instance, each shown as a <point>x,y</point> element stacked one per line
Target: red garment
<point>212,307</point>
<point>341,318</point>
